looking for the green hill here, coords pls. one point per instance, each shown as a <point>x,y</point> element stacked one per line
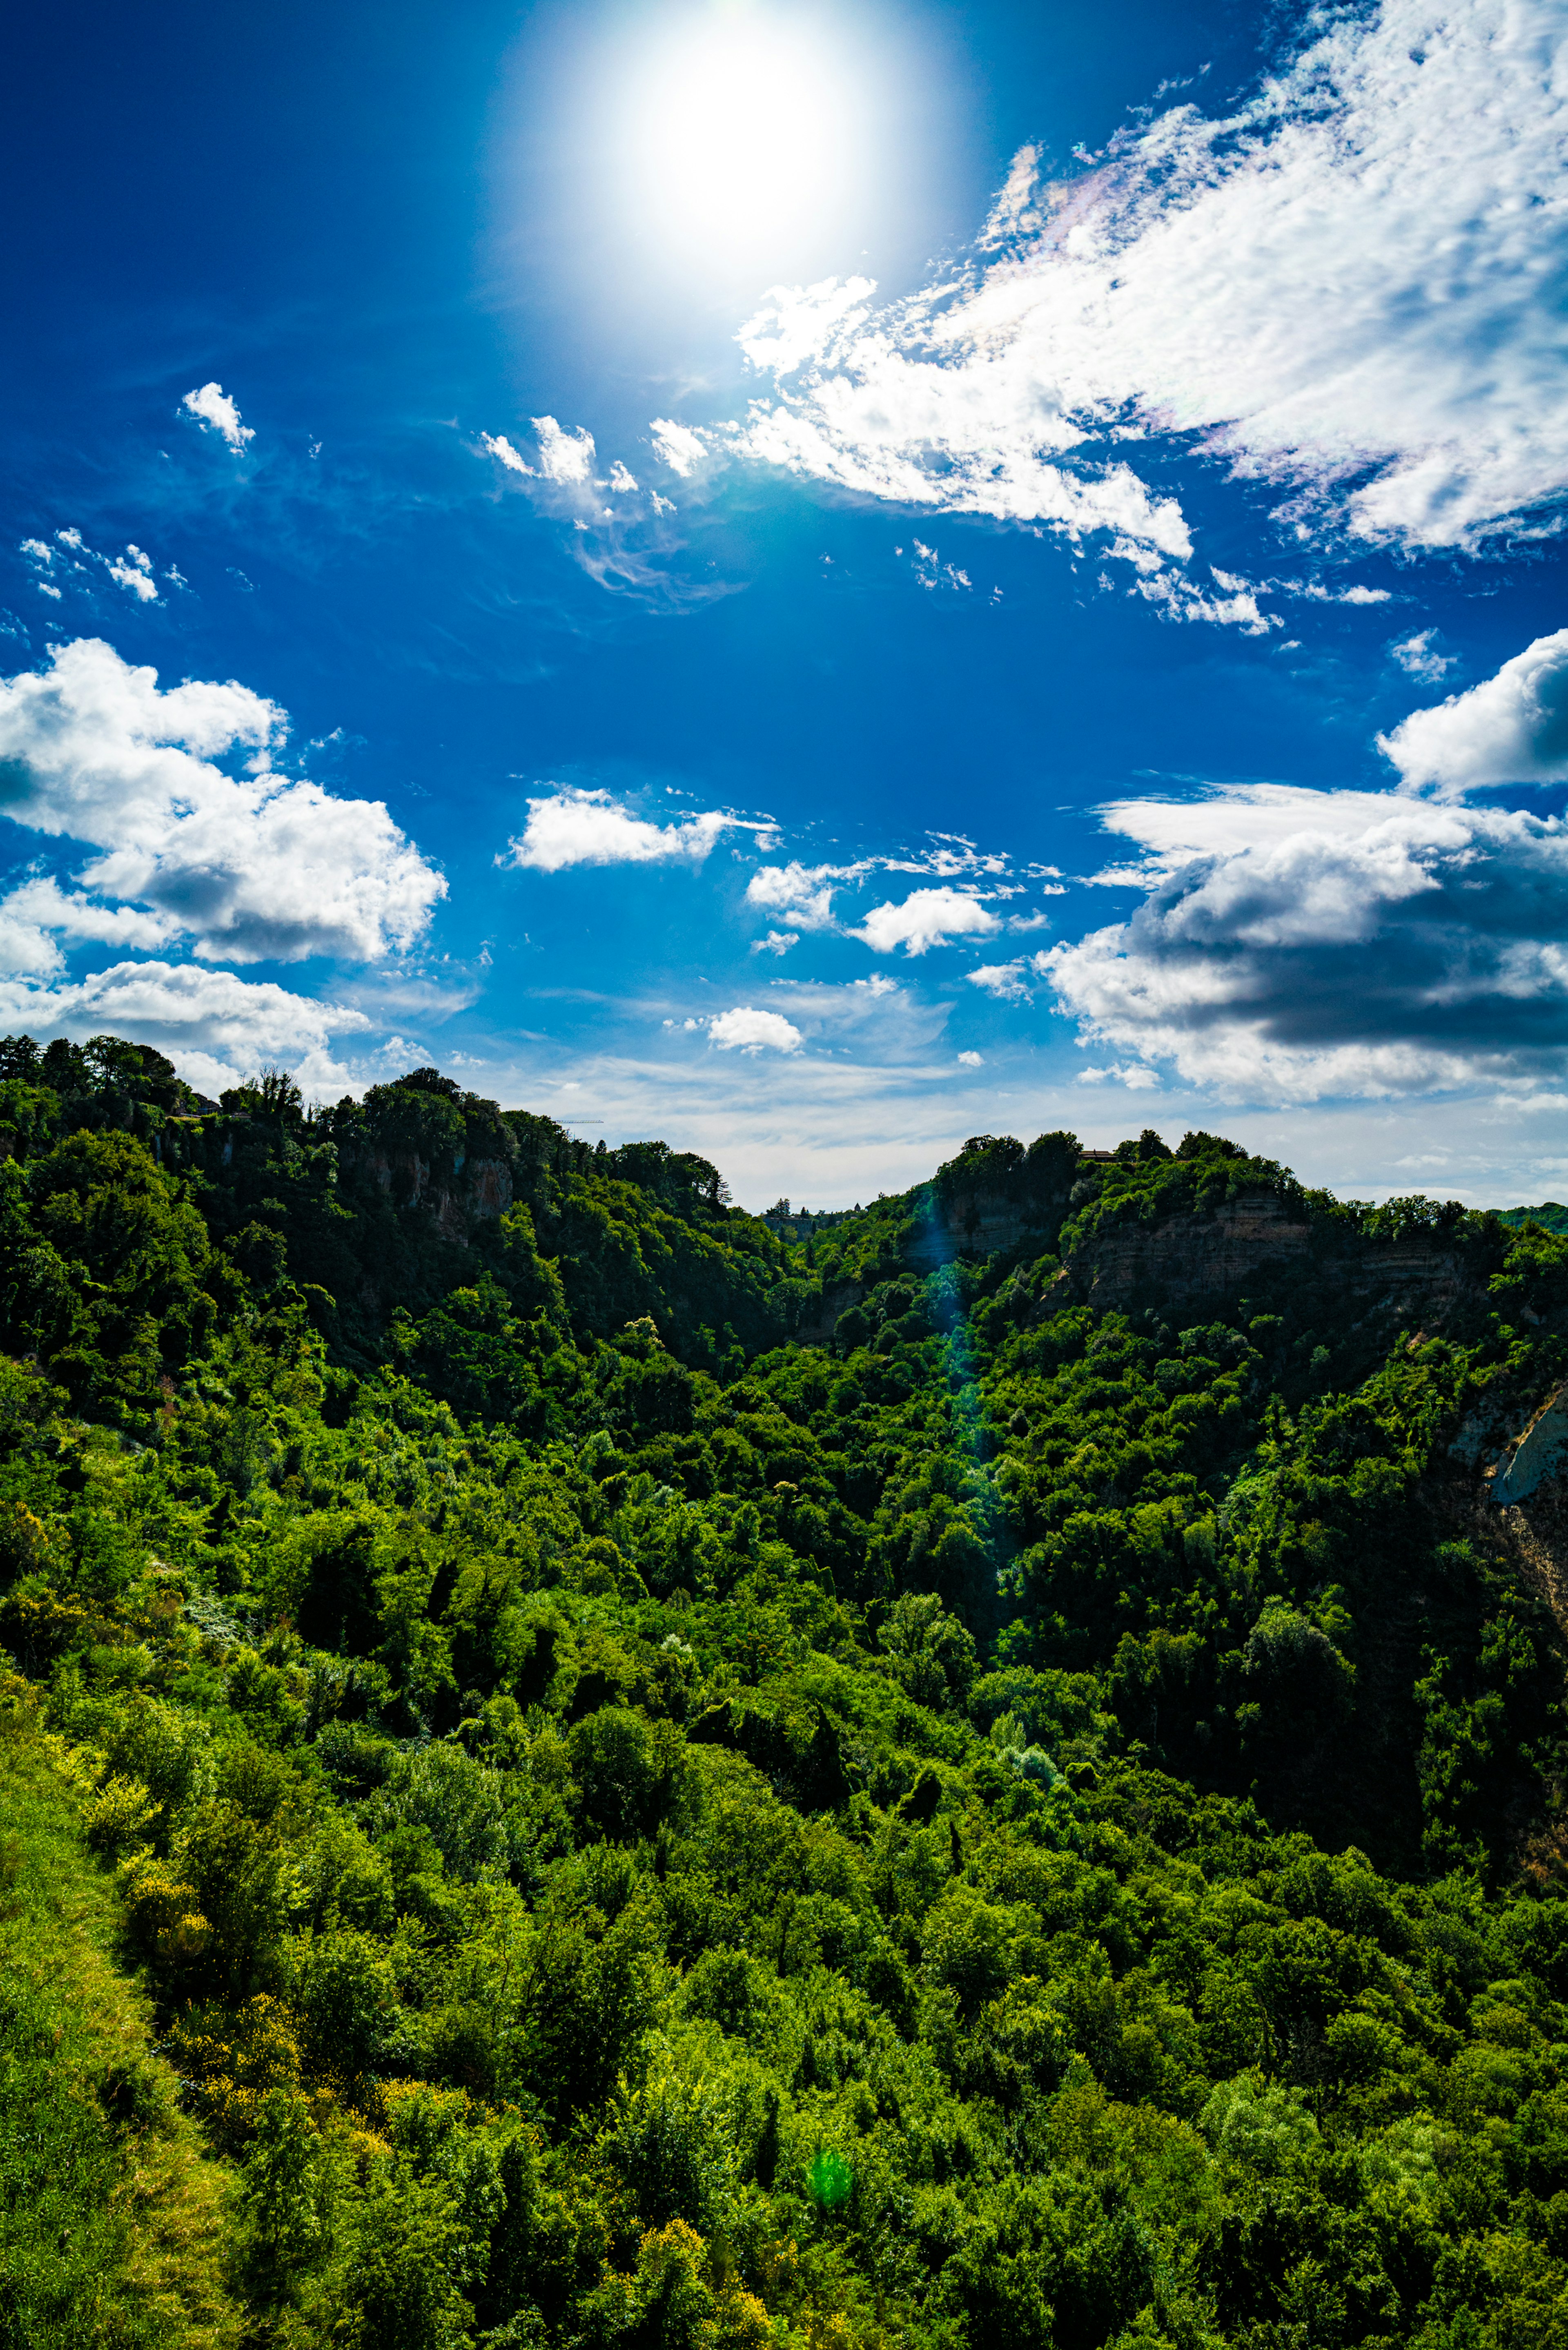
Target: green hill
<point>987,1773</point>
<point>1552,1216</point>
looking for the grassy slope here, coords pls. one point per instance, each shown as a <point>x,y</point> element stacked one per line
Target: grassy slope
<point>110,2216</point>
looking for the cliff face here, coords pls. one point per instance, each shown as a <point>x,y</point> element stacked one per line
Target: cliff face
<point>1539,1454</point>
<point>1185,1260</point>
<point>476,1190</point>
<point>983,1222</point>
<point>1184,1257</point>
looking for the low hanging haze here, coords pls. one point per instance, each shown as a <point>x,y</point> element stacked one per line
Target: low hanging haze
<point>809,581</point>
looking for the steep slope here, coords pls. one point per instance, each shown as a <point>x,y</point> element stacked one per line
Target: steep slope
<point>110,2215</point>
<point>992,1771</point>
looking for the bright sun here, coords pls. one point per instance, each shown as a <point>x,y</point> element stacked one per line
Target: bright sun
<point>743,132</point>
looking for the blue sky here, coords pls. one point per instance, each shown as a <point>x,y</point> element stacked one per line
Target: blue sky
<point>809,581</point>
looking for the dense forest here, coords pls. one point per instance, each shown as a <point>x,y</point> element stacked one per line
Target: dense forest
<point>584,1768</point>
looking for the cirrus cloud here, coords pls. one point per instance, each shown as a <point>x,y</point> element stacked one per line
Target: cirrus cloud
<point>1341,285</point>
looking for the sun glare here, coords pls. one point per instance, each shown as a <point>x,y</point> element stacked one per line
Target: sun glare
<point>743,132</point>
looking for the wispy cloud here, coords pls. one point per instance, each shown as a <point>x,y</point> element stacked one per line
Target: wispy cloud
<point>1008,983</point>
<point>1417,656</point>
<point>1335,287</point>
<point>620,532</point>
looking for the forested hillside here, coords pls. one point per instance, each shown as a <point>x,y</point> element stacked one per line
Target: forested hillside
<point>988,1775</point>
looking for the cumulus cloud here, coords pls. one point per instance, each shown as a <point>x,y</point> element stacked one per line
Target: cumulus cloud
<point>583,828</point>
<point>187,1011</point>
<point>133,571</point>
<point>1512,728</point>
<point>1138,1078</point>
<point>34,917</point>
<point>71,556</point>
<point>1340,285</point>
<point>747,1030</point>
<point>677,446</point>
<point>251,867</point>
<point>1417,656</point>
<point>564,456</point>
<point>926,918</point>
<point>1293,944</point>
<point>802,894</point>
<point>972,1061</point>
<point>216,412</point>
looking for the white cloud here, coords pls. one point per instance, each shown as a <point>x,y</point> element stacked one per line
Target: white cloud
<point>933,573</point>
<point>750,1030</point>
<point>1418,658</point>
<point>186,1011</point>
<point>215,411</point>
<point>677,446</point>
<point>925,919</point>
<point>565,457</point>
<point>1006,981</point>
<point>36,914</point>
<point>1136,1079</point>
<point>1343,284</point>
<point>622,479</point>
<point>777,942</point>
<point>972,1061</point>
<point>802,894</point>
<point>1512,728</point>
<point>250,867</point>
<point>582,827</point>
<point>133,570</point>
<point>1295,944</point>
<point>797,323</point>
<point>1180,597</point>
<point>502,450</point>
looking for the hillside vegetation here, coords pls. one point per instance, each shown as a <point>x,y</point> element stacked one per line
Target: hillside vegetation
<point>991,1775</point>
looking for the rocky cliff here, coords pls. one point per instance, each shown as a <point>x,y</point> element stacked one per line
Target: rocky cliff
<point>474,1191</point>
<point>1184,1261</point>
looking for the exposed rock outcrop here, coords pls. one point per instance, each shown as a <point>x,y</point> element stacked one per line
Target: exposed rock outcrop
<point>1539,1452</point>
<point>472,1192</point>
<point>982,1223</point>
<point>1184,1259</point>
